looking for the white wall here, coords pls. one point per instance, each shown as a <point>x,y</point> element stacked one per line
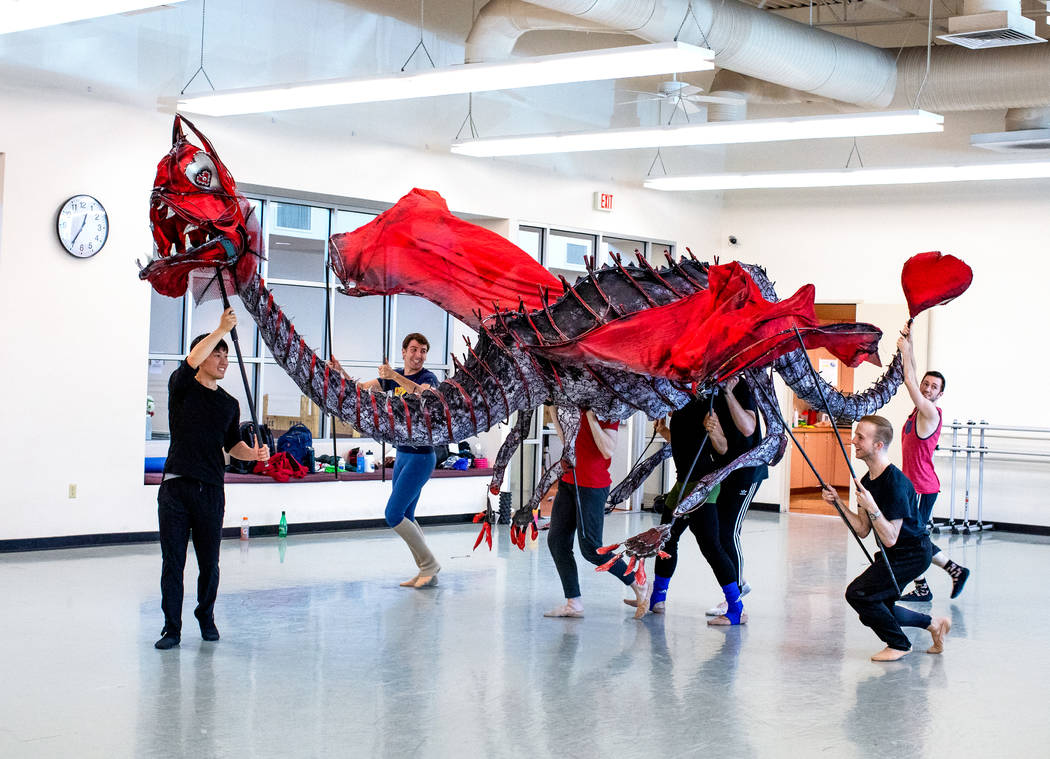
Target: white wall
<point>851,243</point>
<point>74,333</point>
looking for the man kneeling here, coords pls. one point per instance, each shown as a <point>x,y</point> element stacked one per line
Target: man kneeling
<point>888,505</point>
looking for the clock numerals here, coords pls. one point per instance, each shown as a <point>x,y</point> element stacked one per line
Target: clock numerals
<point>83,226</point>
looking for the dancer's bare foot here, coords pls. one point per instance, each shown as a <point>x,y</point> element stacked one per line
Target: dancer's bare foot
<point>410,583</point>
<point>939,629</point>
<point>724,621</point>
<point>890,654</point>
<point>425,581</point>
<point>641,599</point>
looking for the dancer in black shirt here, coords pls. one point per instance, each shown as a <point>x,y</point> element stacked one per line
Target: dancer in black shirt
<point>204,420</point>
<point>887,504</point>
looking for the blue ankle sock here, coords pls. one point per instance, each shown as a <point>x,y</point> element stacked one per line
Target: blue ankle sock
<point>735,606</point>
<point>659,595</point>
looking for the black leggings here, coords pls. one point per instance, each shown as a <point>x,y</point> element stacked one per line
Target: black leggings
<point>716,527</point>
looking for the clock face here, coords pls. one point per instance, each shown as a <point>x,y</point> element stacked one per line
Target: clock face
<point>83,226</point>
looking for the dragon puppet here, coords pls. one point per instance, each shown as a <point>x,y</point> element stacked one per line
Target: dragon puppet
<point>626,337</point>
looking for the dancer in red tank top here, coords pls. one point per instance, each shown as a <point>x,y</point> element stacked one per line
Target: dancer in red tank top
<point>919,438</point>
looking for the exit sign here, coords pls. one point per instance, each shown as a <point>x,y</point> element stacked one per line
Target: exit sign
<point>603,201</point>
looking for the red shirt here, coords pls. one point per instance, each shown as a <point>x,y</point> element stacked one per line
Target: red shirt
<point>917,454</point>
<point>592,469</point>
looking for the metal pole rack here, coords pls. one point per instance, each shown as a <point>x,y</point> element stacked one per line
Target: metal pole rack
<point>981,451</point>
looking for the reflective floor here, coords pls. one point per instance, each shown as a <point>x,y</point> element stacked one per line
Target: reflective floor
<point>322,654</point>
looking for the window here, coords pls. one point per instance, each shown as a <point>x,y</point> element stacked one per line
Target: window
<point>291,216</point>
<point>567,251</point>
<point>624,248</point>
<point>295,271</point>
<point>530,239</point>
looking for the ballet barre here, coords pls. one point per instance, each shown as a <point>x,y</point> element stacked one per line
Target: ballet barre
<point>984,432</point>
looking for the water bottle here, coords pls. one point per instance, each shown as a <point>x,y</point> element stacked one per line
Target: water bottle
<point>244,528</point>
<point>360,462</point>
<point>370,461</point>
<point>282,528</point>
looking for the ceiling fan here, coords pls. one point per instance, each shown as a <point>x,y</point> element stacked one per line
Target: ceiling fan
<point>677,95</point>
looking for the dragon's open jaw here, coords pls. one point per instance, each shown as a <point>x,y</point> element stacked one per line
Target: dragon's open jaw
<point>198,218</point>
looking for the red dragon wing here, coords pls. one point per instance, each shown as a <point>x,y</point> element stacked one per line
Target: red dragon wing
<point>419,247</point>
<point>715,333</point>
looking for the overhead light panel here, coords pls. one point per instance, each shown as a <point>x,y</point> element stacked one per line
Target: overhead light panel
<point>853,177</point>
<point>586,66</point>
<point>715,133</point>
<point>19,15</point>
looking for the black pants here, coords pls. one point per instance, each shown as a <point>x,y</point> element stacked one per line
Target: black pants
<point>874,598</point>
<point>584,518</point>
<point>188,507</point>
<point>716,527</point>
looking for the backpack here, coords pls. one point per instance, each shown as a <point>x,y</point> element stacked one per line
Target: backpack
<point>298,443</point>
<point>266,438</point>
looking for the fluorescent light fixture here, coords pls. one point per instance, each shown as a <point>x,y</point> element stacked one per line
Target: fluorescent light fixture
<point>19,15</point>
<point>854,177</point>
<point>715,133</point>
<point>586,66</point>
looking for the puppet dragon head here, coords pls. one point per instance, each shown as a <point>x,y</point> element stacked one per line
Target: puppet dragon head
<point>198,218</point>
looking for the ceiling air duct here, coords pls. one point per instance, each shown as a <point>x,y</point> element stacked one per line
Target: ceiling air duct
<point>1027,129</point>
<point>990,23</point>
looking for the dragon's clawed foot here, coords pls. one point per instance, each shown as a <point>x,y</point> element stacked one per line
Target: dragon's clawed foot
<point>487,518</point>
<point>637,550</point>
<point>520,523</point>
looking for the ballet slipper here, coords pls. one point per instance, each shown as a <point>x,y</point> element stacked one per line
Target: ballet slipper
<point>939,629</point>
<point>890,654</point>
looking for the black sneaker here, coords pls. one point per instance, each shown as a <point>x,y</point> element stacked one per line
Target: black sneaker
<point>167,640</point>
<point>959,576</point>
<point>920,594</point>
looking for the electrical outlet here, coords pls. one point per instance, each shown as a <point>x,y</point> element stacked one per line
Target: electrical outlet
<point>72,490</point>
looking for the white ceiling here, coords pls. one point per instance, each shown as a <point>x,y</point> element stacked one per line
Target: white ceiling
<point>151,55</point>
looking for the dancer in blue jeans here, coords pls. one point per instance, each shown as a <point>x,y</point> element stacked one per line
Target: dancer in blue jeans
<point>414,463</point>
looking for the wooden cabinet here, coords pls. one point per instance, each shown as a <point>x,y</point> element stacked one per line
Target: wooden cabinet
<point>839,469</point>
<point>823,450</point>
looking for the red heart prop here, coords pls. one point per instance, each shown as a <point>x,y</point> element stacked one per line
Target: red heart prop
<point>932,278</point>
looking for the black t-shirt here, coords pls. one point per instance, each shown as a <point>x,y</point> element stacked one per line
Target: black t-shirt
<point>738,442</point>
<point>687,432</point>
<point>422,377</point>
<point>203,422</point>
<point>895,496</point>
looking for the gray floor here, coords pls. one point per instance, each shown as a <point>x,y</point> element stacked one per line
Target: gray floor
<point>324,655</point>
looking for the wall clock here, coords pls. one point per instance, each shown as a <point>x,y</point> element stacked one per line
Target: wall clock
<point>82,226</point>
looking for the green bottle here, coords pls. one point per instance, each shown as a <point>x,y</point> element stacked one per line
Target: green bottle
<point>282,528</point>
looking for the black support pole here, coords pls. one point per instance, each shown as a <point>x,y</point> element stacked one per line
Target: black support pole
<point>386,360</point>
<point>331,354</point>
<point>240,359</point>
